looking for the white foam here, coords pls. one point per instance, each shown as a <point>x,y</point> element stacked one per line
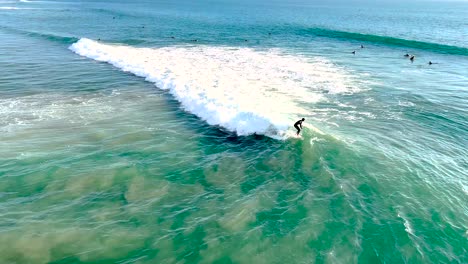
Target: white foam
<point>241,89</point>
<point>407,224</point>
<point>27,111</point>
<point>15,8</point>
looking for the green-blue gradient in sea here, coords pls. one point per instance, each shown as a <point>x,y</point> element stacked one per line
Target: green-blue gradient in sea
<point>161,132</point>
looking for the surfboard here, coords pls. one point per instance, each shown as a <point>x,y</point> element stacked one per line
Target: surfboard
<point>292,134</point>
<point>295,136</point>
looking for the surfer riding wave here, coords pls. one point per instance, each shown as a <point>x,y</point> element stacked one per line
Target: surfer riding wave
<point>298,125</point>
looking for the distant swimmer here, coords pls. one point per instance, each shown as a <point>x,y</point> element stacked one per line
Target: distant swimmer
<point>362,46</point>
<point>195,40</point>
<point>412,58</point>
<point>298,125</point>
<point>406,55</point>
<point>172,37</point>
<point>354,52</point>
<point>245,40</point>
<point>430,63</point>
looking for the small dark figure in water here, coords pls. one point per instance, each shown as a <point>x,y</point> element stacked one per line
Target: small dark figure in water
<point>362,46</point>
<point>269,33</point>
<point>98,39</point>
<point>406,55</point>
<point>298,125</point>
<point>172,37</point>
<point>430,63</point>
<point>195,40</point>
<point>245,40</point>
<point>113,17</point>
<point>354,52</point>
<point>412,58</point>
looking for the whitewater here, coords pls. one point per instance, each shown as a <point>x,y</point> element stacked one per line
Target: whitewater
<point>240,89</point>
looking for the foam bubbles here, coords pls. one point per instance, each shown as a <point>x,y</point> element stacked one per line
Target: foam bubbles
<point>240,89</point>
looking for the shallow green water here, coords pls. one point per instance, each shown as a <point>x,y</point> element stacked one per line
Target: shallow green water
<point>142,149</point>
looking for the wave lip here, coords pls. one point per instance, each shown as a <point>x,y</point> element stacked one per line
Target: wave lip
<point>241,89</point>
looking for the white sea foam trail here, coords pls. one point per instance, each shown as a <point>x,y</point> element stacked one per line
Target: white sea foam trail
<point>241,89</point>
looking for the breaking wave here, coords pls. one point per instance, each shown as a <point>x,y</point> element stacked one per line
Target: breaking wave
<point>243,90</point>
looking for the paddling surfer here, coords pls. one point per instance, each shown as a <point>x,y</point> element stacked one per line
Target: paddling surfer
<point>298,125</point>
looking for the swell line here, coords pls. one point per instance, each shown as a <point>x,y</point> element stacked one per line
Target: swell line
<point>46,36</point>
<point>390,41</point>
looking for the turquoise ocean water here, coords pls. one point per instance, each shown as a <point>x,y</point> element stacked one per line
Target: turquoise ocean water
<point>160,131</point>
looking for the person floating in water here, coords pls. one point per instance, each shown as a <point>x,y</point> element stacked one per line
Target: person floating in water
<point>354,52</point>
<point>412,58</point>
<point>362,46</point>
<point>407,55</point>
<point>298,125</point>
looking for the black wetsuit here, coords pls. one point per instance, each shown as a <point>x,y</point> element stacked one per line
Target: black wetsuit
<point>297,124</point>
